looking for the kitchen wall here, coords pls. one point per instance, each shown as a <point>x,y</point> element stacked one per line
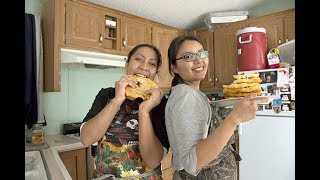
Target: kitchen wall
<point>271,7</point>
<point>79,85</point>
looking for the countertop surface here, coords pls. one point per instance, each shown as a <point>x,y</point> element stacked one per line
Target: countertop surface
<point>50,153</point>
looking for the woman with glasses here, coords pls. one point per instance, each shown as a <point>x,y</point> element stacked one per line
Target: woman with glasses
<point>201,142</point>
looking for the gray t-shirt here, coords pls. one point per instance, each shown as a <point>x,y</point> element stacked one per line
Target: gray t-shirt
<point>187,116</point>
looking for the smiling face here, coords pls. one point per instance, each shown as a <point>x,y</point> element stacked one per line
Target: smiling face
<point>143,62</point>
<point>191,72</point>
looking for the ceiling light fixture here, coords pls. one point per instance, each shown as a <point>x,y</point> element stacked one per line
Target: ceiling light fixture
<point>217,18</point>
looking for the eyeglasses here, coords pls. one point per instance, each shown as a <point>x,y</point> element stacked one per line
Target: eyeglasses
<point>192,56</point>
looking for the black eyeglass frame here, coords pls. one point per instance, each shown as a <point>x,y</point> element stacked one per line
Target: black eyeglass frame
<point>201,54</point>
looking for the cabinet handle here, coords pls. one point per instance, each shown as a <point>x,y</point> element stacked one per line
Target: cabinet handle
<point>100,39</point>
<point>211,79</point>
<point>279,42</point>
<point>287,39</point>
<point>123,42</point>
<point>217,76</point>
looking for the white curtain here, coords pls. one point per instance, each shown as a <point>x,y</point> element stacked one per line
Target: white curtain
<point>39,81</point>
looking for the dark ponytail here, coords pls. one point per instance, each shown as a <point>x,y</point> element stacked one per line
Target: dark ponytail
<point>177,80</point>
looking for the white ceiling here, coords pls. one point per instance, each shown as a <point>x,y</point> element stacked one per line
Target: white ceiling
<point>182,14</point>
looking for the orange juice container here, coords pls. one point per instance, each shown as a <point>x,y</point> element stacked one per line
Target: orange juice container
<point>37,134</point>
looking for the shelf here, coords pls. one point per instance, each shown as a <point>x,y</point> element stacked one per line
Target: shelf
<point>111,32</point>
<point>109,26</point>
<point>111,38</point>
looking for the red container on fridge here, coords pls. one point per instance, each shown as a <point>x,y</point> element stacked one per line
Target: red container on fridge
<point>252,49</point>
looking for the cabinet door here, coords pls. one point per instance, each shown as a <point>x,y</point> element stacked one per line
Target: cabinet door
<point>274,30</point>
<point>84,26</point>
<point>289,26</point>
<point>161,38</point>
<point>134,32</point>
<point>76,163</point>
<point>225,54</point>
<point>206,38</point>
<point>53,26</point>
<point>166,166</point>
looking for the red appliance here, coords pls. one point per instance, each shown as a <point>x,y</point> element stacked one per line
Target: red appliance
<point>252,49</point>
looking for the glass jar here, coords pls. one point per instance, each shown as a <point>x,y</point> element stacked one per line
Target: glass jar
<point>37,134</point>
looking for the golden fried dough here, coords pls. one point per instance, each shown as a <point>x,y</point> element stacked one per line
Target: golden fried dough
<point>144,84</point>
<point>243,85</point>
<point>251,80</point>
<point>246,76</point>
<point>230,95</point>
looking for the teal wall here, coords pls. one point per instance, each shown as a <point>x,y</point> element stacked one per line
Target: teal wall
<point>33,6</point>
<point>272,6</point>
<point>80,85</point>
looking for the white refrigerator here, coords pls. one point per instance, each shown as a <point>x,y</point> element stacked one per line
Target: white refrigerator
<point>267,146</point>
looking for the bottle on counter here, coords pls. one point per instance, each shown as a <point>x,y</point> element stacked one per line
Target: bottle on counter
<point>37,134</point>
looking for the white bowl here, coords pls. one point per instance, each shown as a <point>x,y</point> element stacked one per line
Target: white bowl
<point>29,161</point>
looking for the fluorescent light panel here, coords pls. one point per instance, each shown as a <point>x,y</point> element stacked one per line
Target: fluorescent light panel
<point>226,19</point>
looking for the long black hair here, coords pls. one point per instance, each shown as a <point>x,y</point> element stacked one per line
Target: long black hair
<point>172,54</point>
<point>159,58</point>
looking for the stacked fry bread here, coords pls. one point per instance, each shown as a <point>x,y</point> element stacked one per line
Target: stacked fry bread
<point>243,85</point>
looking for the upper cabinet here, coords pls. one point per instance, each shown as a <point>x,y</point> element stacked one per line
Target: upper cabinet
<point>89,27</point>
<point>280,27</point>
<point>225,54</point>
<point>206,38</point>
<point>161,38</point>
<point>134,32</point>
<point>221,45</point>
<point>77,24</point>
<point>53,20</point>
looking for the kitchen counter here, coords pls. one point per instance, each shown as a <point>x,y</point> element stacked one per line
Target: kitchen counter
<point>58,143</point>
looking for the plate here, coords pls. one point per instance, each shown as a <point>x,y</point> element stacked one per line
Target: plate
<point>229,102</point>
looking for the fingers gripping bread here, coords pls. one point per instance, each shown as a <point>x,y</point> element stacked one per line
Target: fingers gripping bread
<point>144,84</point>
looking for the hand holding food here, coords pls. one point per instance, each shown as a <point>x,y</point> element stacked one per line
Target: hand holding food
<point>144,84</point>
<point>245,109</point>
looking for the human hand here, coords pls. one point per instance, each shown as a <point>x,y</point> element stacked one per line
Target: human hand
<point>245,109</point>
<point>155,96</point>
<point>121,84</point>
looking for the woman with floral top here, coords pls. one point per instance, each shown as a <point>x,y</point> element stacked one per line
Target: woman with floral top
<point>131,134</point>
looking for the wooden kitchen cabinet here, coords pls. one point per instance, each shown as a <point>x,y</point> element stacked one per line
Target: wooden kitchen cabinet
<point>86,26</point>
<point>76,163</point>
<point>161,38</point>
<point>206,38</point>
<point>222,47</point>
<point>225,53</point>
<point>134,32</point>
<point>53,20</point>
<point>166,166</point>
<point>81,25</point>
<point>280,27</point>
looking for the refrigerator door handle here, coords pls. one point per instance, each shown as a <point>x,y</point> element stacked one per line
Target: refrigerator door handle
<point>240,129</point>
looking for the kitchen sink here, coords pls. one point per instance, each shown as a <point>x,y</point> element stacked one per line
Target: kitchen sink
<point>37,171</point>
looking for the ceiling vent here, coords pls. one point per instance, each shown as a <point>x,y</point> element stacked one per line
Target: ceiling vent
<point>217,19</point>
